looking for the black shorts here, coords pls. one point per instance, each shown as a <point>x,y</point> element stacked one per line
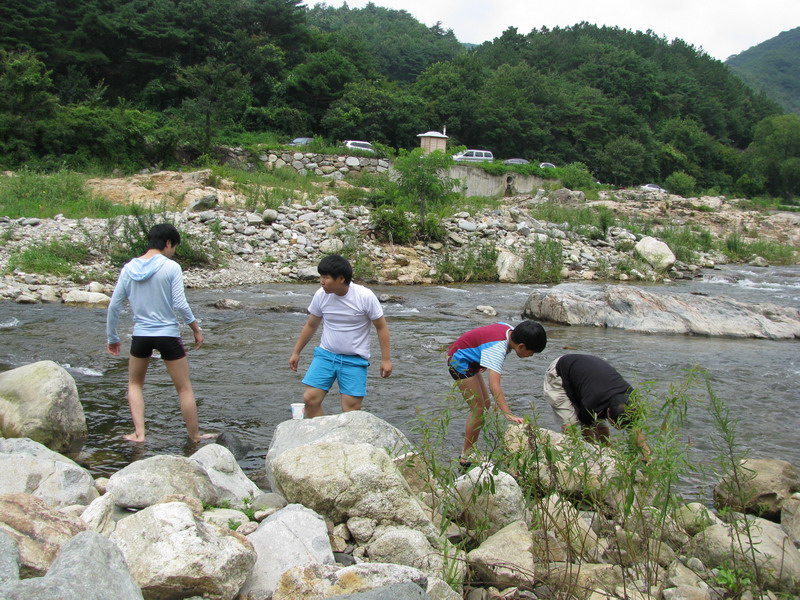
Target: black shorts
<point>170,348</point>
<point>473,369</point>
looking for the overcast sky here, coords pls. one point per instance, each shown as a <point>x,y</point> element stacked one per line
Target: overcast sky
<point>720,27</point>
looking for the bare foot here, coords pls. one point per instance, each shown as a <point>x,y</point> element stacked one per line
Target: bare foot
<point>204,436</point>
<point>132,437</point>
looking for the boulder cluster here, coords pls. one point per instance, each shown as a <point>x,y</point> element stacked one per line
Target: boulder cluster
<point>284,244</point>
<point>354,510</point>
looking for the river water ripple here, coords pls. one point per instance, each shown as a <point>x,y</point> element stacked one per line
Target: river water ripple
<point>244,385</point>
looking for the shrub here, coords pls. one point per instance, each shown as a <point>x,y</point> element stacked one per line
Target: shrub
<point>576,176</point>
<point>543,262</point>
<point>475,263</point>
<point>392,225</point>
<point>58,257</point>
<point>129,235</point>
<point>681,183</point>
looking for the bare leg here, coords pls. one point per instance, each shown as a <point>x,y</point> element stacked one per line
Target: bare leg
<point>351,402</point>
<point>477,396</point>
<point>179,372</point>
<point>313,398</point>
<point>137,369</point>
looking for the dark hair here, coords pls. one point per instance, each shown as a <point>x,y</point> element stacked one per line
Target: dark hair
<point>335,265</point>
<point>531,334</point>
<point>161,234</point>
<point>618,412</point>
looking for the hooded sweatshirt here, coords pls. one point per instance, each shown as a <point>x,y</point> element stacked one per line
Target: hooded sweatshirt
<point>154,288</point>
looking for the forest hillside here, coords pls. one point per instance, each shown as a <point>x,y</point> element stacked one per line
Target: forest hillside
<point>88,84</point>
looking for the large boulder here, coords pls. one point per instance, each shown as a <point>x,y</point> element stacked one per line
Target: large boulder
<point>569,464</point>
<point>634,309</point>
<point>790,518</point>
<point>341,481</point>
<point>561,518</point>
<point>506,558</point>
<point>404,546</point>
<point>9,559</point>
<point>760,487</point>
<point>172,554</point>
<point>145,482</point>
<point>354,427</point>
<point>38,530</point>
<point>292,537</point>
<point>509,267</point>
<point>232,485</point>
<point>317,582</point>
<point>396,591</point>
<point>31,468</point>
<point>759,543</point>
<point>89,567</point>
<point>40,401</point>
<point>99,515</point>
<point>490,500</point>
<point>655,252</point>
<point>86,299</point>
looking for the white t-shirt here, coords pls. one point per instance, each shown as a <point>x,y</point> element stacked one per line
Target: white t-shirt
<point>346,319</point>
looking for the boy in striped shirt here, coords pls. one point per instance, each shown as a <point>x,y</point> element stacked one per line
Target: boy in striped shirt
<point>486,348</point>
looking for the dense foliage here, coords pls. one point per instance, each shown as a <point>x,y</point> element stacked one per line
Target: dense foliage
<point>773,67</point>
<point>129,83</point>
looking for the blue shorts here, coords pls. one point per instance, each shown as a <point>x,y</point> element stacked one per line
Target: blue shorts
<point>349,370</point>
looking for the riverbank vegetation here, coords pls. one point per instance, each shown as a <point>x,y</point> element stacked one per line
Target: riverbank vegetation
<point>590,504</point>
<point>140,85</point>
<point>406,208</point>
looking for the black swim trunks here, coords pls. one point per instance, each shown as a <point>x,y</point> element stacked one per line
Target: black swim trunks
<point>170,348</point>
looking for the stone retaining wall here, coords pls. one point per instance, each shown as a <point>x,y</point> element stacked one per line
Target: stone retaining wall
<point>325,165</point>
<point>473,181</point>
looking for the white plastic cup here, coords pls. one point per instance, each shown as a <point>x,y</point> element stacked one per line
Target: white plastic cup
<point>298,410</point>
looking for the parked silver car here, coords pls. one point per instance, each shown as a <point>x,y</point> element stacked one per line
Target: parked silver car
<point>473,156</point>
<point>652,187</point>
<point>359,145</point>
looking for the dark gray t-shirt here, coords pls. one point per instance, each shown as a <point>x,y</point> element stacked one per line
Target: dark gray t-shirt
<point>590,383</point>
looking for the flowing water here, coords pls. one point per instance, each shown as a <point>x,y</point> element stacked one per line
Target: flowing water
<point>244,385</point>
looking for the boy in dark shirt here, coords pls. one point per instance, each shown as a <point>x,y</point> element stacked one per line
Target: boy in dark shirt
<point>585,390</point>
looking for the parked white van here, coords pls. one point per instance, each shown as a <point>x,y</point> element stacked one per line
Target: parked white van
<point>473,156</point>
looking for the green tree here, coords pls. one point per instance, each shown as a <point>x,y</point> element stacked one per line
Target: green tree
<point>774,153</point>
<point>26,102</point>
<point>377,111</point>
<point>624,161</point>
<point>681,183</point>
<point>218,96</point>
<point>423,178</point>
<point>315,84</point>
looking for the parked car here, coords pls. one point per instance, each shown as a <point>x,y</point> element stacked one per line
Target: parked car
<point>547,166</point>
<point>473,156</point>
<point>359,145</point>
<point>515,161</point>
<point>301,141</point>
<point>652,187</point>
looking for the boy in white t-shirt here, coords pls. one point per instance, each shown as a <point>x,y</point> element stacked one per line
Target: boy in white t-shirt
<point>343,354</point>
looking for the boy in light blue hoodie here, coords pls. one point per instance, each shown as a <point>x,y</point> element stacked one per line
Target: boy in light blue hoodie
<point>153,284</point>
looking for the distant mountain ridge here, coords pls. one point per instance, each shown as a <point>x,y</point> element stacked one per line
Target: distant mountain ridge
<point>773,67</point>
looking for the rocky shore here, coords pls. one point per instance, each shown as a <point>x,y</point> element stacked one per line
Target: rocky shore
<point>356,511</point>
<point>285,244</point>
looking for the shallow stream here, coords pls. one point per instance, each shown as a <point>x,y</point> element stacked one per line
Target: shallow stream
<point>244,385</point>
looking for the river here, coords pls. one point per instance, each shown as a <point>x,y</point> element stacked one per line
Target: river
<point>244,386</point>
